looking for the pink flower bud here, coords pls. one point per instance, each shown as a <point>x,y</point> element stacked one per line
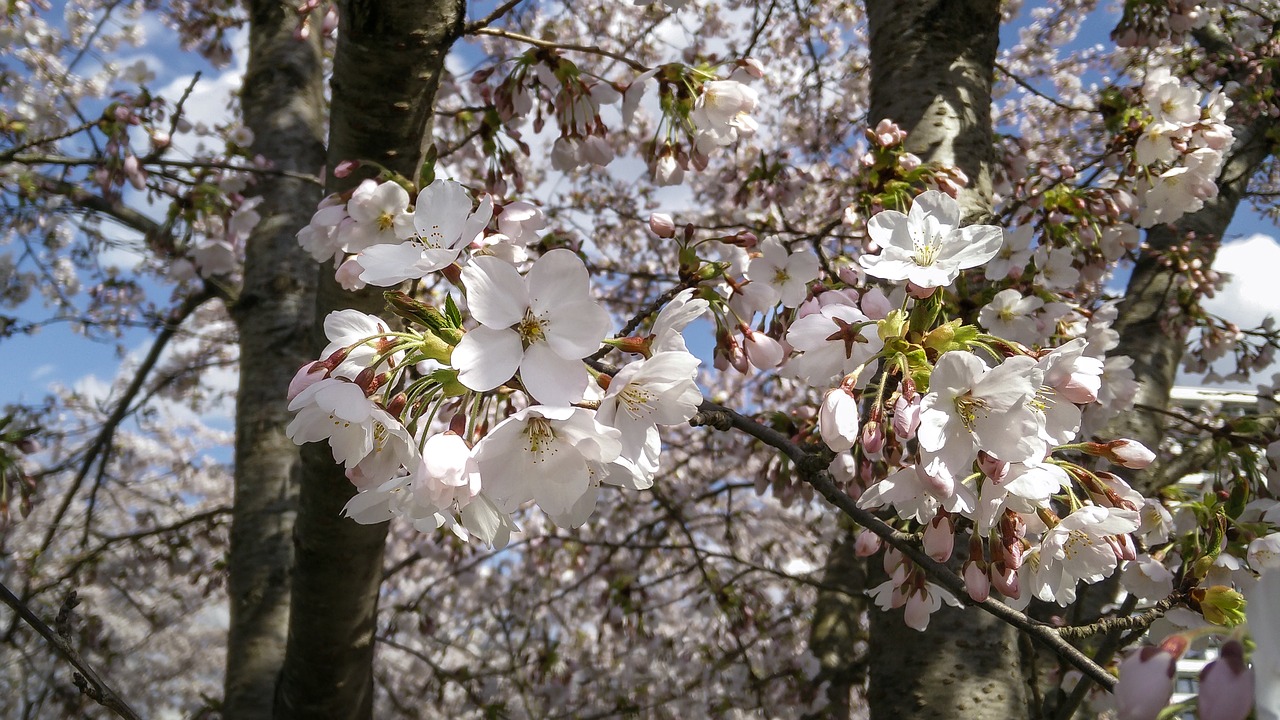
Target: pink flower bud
<point>866,544</point>
<point>992,467</point>
<point>937,479</point>
<point>1005,580</point>
<point>1130,453</point>
<point>872,438</point>
<point>939,538</point>
<point>348,274</point>
<point>838,420</point>
<point>753,67</point>
<point>1146,679</point>
<point>906,417</point>
<point>976,582</point>
<point>307,375</point>
<point>917,610</point>
<point>662,225</point>
<point>893,561</point>
<point>345,168</point>
<point>875,304</point>
<point>763,352</point>
<point>1226,685</point>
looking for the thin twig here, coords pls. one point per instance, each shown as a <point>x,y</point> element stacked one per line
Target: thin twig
<point>492,17</point>
<point>86,678</point>
<point>549,45</point>
<point>1031,89</point>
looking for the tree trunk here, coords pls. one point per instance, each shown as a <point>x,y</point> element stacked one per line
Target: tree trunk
<point>838,636</point>
<point>283,105</point>
<point>932,66</point>
<point>385,74</point>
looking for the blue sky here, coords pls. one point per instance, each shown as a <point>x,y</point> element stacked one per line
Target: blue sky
<point>58,354</point>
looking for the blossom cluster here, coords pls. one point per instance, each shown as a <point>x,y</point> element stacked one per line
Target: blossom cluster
<point>1180,147</point>
<point>424,420</point>
<point>957,429</point>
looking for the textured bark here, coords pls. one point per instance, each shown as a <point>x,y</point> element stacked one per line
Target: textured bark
<point>838,636</point>
<point>1150,331</point>
<point>932,66</point>
<point>283,105</point>
<point>386,70</point>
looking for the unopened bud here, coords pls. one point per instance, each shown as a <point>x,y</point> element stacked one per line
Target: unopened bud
<point>866,544</point>
<point>662,225</point>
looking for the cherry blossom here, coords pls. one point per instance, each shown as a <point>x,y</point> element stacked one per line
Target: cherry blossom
<point>928,247</point>
<point>442,225</point>
<point>541,324</point>
<point>545,454</point>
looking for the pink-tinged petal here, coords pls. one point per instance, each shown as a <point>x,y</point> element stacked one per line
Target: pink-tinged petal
<point>939,206</point>
<point>487,357</point>
<point>496,294</point>
<point>550,378</point>
<point>557,278</point>
<point>576,329</point>
<point>976,246</point>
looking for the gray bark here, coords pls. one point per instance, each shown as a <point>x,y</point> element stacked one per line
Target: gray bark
<point>838,636</point>
<point>283,105</point>
<point>932,66</point>
<point>386,70</point>
<point>1150,330</point>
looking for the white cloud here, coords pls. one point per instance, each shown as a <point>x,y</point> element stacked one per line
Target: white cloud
<point>1250,294</point>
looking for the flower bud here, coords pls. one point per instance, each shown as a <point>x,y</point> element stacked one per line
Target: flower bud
<point>662,225</point>
<point>976,582</point>
<point>1146,679</point>
<point>906,417</point>
<point>939,538</point>
<point>872,438</point>
<point>1124,452</point>
<point>866,543</point>
<point>1226,685</point>
<point>1005,580</point>
<point>307,375</point>
<point>1220,605</point>
<point>762,351</point>
<point>838,420</point>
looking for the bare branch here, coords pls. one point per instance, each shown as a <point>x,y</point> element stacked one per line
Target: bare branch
<point>87,679</point>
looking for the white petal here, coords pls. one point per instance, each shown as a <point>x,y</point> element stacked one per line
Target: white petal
<point>487,357</point>
<point>549,377</point>
<point>441,212</point>
<point>496,294</point>
<point>576,329</point>
<point>937,205</point>
<point>557,278</point>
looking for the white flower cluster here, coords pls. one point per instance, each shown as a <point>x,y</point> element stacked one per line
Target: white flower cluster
<point>1181,147</point>
<point>534,324</point>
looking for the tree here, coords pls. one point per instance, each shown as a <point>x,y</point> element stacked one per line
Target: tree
<point>904,231</point>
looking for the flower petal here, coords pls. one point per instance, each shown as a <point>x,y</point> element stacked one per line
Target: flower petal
<point>487,357</point>
<point>496,294</point>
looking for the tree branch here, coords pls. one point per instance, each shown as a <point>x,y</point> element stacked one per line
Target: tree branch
<point>86,678</point>
<point>812,469</point>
